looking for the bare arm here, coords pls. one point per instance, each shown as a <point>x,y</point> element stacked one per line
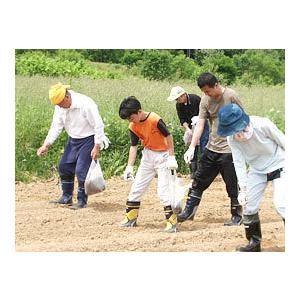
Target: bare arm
<point>198,132</point>
<point>185,125</point>
<point>132,155</point>
<point>170,144</point>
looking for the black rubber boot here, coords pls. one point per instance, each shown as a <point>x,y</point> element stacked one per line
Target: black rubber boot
<point>192,203</point>
<point>253,235</point>
<point>81,197</point>
<point>67,186</point>
<point>236,213</point>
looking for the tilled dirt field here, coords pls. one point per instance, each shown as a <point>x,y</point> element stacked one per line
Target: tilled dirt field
<point>41,226</point>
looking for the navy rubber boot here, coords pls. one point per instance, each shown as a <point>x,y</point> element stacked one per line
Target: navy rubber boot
<point>67,186</point>
<point>81,197</point>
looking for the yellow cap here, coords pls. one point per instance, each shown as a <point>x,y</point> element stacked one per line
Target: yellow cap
<point>57,93</point>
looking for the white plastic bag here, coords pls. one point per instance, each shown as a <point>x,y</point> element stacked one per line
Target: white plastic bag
<point>94,182</point>
<point>194,120</point>
<point>177,192</point>
<point>187,137</point>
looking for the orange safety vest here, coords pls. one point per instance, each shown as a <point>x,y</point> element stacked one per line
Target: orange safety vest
<point>150,136</point>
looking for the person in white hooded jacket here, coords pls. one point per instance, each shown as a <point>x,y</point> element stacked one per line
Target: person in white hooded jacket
<point>258,151</point>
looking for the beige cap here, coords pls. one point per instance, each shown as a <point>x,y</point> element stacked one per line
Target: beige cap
<point>175,93</point>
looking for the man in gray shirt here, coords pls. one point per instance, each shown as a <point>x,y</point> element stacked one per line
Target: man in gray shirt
<point>258,143</point>
<point>217,158</point>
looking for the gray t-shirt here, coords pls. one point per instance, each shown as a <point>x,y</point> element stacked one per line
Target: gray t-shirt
<point>209,108</point>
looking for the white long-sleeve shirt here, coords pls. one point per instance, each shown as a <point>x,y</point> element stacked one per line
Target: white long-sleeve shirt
<point>263,152</point>
<point>81,120</point>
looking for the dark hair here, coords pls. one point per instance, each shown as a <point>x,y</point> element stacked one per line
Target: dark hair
<point>207,79</point>
<point>130,105</point>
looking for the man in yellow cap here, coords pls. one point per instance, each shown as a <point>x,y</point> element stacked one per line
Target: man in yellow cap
<point>79,116</point>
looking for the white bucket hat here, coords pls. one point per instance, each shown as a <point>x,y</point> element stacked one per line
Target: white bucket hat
<point>175,93</point>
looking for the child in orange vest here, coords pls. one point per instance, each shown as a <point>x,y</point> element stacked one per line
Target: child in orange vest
<point>158,158</point>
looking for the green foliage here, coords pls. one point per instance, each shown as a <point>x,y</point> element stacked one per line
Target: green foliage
<point>34,115</point>
<point>184,68</point>
<point>103,55</point>
<point>67,63</point>
<point>202,54</point>
<point>162,64</point>
<point>32,124</point>
<point>260,67</point>
<point>241,66</point>
<point>132,57</point>
<point>45,51</point>
<point>277,117</point>
<point>156,64</point>
<point>231,66</point>
<point>216,62</point>
<point>224,67</point>
<point>69,55</point>
<point>33,63</point>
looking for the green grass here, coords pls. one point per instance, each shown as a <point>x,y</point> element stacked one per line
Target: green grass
<point>34,116</point>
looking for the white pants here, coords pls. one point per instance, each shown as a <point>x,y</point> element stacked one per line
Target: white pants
<point>257,184</point>
<point>152,163</point>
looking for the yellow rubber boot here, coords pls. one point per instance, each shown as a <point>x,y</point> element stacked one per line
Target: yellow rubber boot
<point>132,210</point>
<point>171,220</point>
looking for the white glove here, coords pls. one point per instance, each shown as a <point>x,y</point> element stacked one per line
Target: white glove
<point>242,198</point>
<point>172,163</point>
<point>194,120</point>
<point>189,154</point>
<point>128,173</point>
<point>104,142</point>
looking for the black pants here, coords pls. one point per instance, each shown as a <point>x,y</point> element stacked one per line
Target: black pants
<point>211,164</point>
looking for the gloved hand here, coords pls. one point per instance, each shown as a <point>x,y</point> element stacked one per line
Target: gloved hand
<point>189,154</point>
<point>242,197</point>
<point>172,163</point>
<point>104,142</point>
<point>128,173</point>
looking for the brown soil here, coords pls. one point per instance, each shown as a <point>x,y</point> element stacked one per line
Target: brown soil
<point>41,226</point>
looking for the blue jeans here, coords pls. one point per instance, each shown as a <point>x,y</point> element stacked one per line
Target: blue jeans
<point>203,142</point>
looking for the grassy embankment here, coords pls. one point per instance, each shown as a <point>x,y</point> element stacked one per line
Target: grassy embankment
<point>34,115</point>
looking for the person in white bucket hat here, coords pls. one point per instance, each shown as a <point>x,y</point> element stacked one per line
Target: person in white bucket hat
<point>175,93</point>
<point>187,107</point>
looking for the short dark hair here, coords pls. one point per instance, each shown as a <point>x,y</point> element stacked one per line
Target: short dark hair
<point>207,79</point>
<point>130,105</point>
